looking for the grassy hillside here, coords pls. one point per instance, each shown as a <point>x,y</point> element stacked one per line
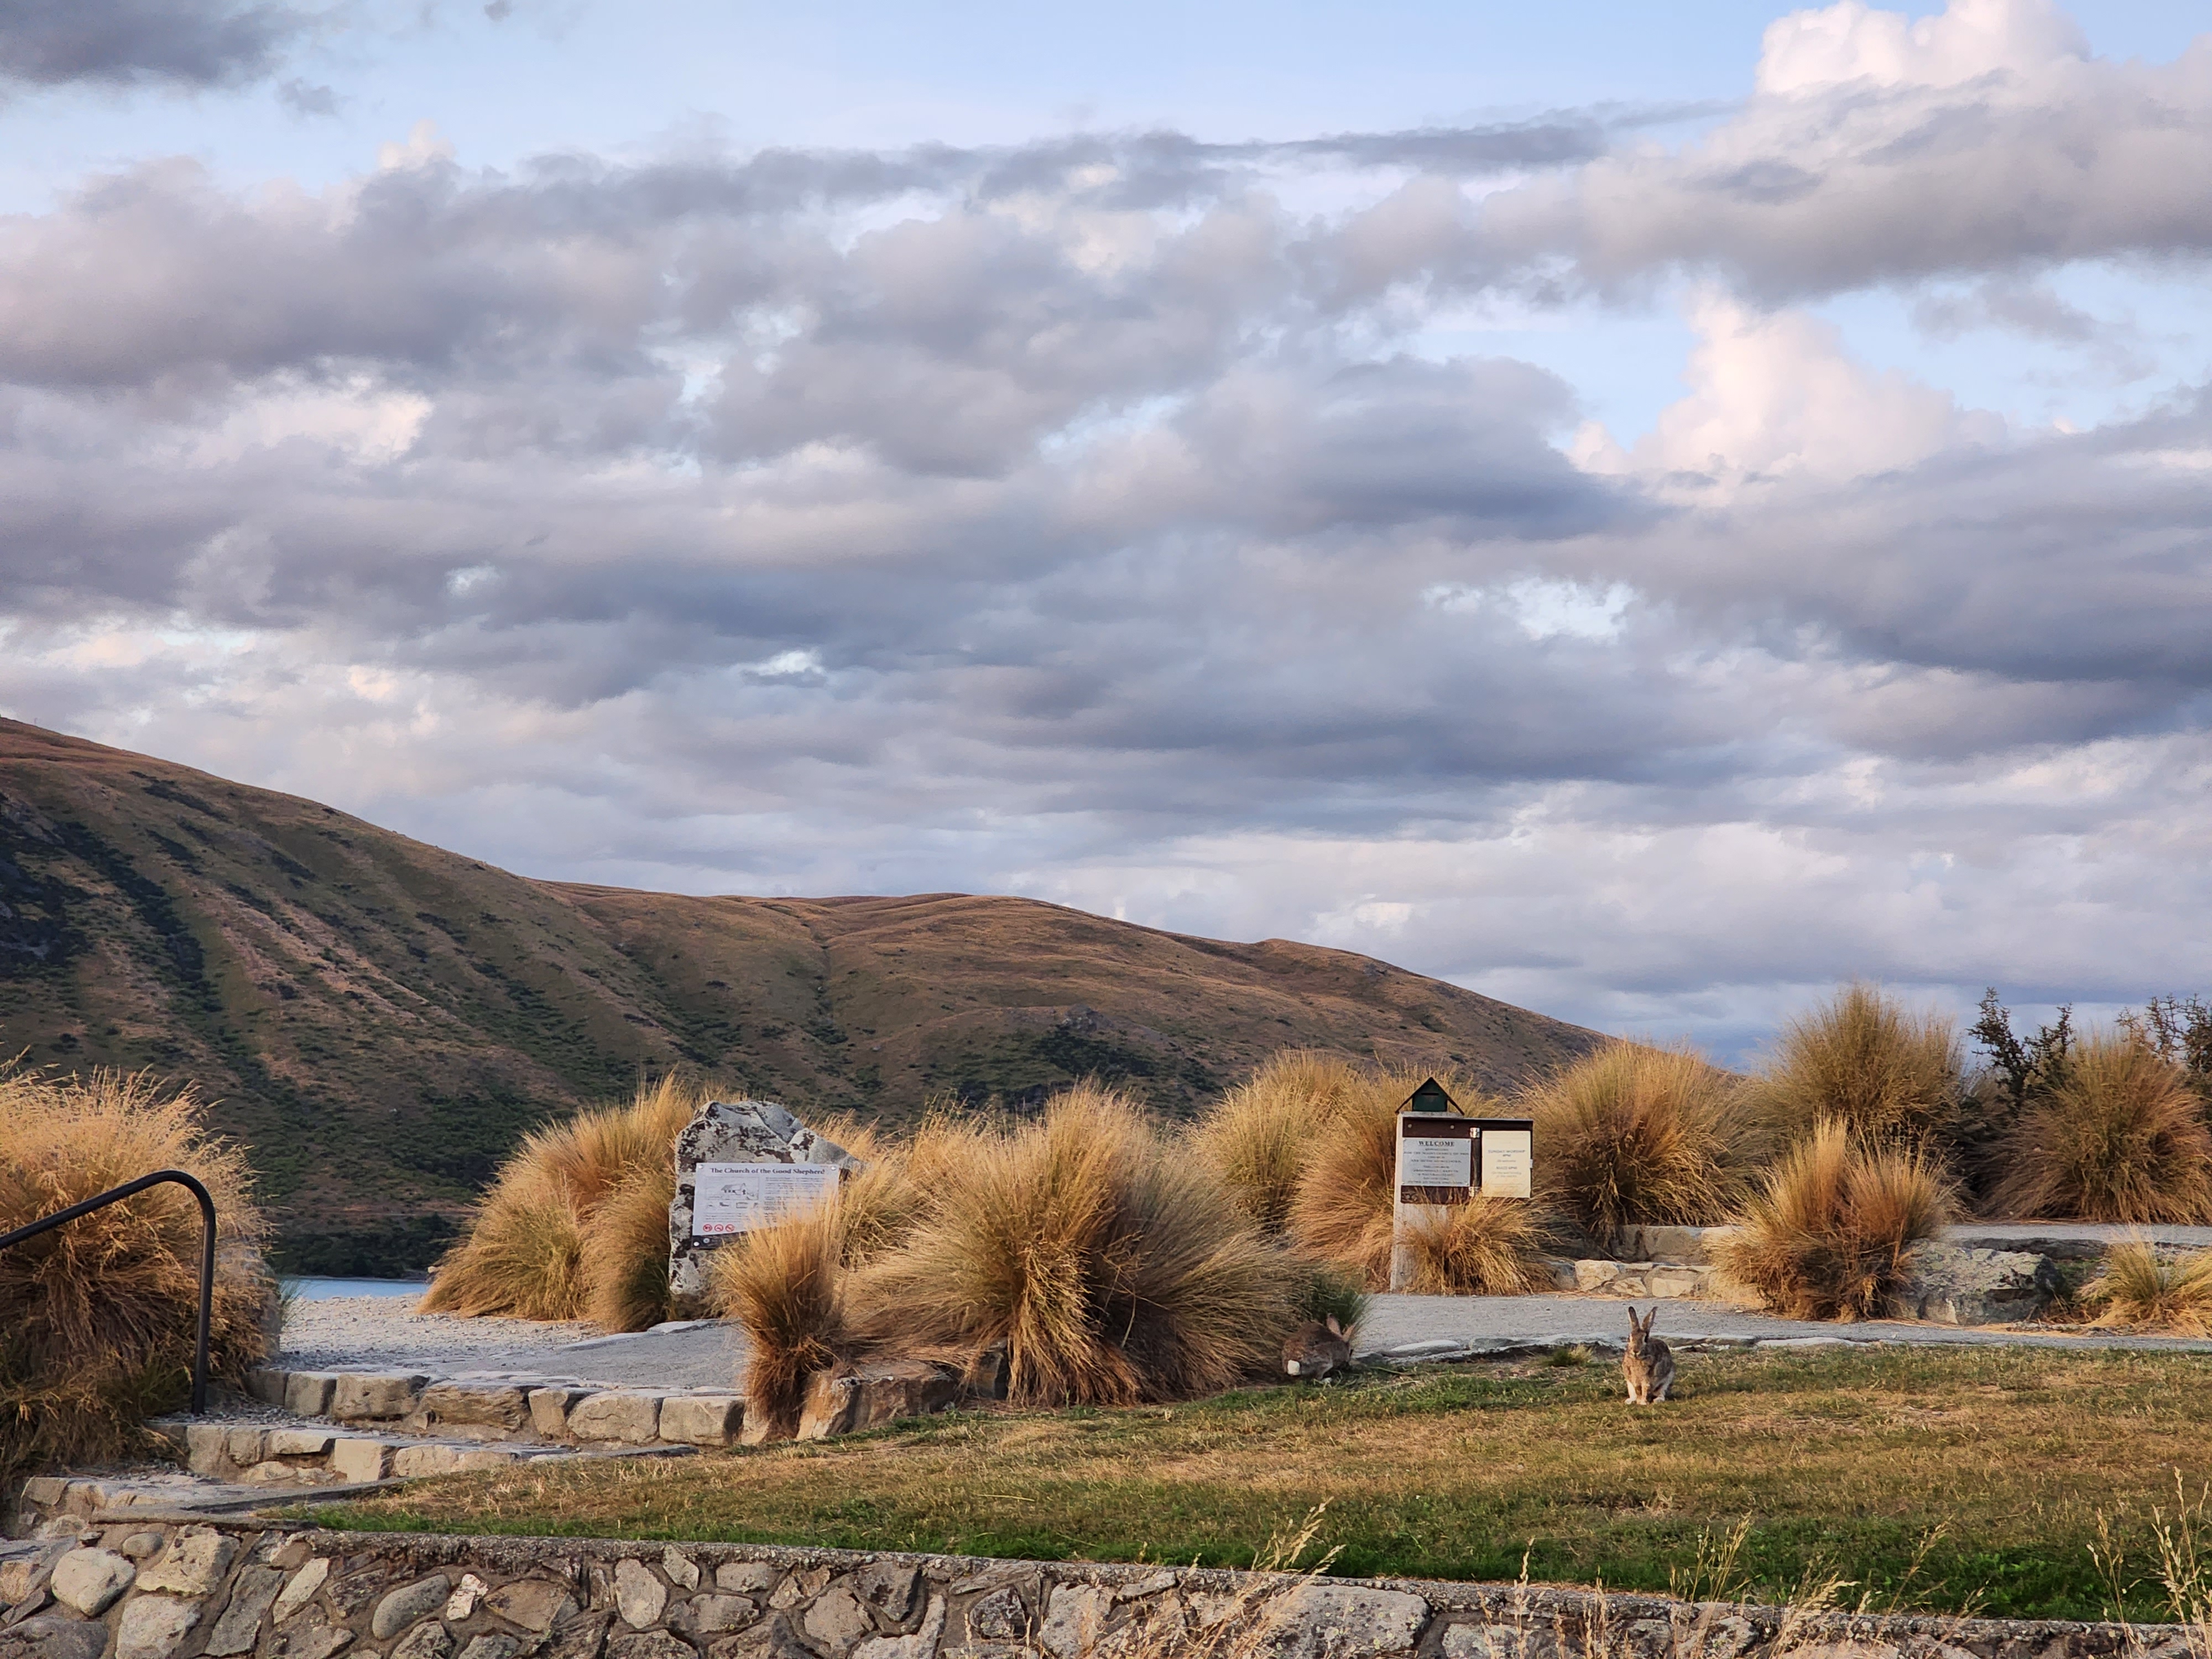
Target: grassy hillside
<point>380,1019</point>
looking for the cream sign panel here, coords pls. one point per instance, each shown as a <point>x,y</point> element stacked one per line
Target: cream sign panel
<point>736,1198</point>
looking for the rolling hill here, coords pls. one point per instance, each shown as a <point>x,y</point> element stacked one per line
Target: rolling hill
<point>379,1020</point>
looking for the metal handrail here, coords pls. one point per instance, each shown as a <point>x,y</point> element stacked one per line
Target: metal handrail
<point>207,1254</point>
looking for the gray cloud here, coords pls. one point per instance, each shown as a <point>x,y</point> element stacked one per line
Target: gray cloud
<point>122,42</point>
<point>1081,519</point>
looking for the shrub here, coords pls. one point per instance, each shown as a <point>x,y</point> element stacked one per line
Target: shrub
<point>1631,1134</point>
<point>1343,1210</point>
<point>566,1230</point>
<point>98,1317</point>
<point>2119,1137</point>
<point>1827,1236</point>
<point>1256,1139</point>
<point>2138,1286</point>
<point>1862,1061</point>
<point>1112,1268</point>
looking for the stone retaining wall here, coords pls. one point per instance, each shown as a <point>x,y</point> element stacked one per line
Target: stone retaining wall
<point>146,1590</point>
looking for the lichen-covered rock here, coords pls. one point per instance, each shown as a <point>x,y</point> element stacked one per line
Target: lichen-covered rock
<point>399,1609</point>
<point>429,1640</point>
<point>775,1639</point>
<point>1074,1619</point>
<point>1956,1284</point>
<point>1343,1621</point>
<point>364,1397</point>
<point>701,1420</point>
<point>51,1637</point>
<point>251,1593</point>
<point>883,1391</point>
<point>193,1564</point>
<point>640,1596</point>
<point>649,1645</point>
<point>836,1620</point>
<point>535,1604</point>
<point>731,1132</point>
<point>155,1626</point>
<point>497,1408</point>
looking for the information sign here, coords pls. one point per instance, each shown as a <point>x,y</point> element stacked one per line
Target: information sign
<point>1507,1163</point>
<point>737,1198</point>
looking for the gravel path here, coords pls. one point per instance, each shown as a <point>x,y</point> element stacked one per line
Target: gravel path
<point>383,1333</point>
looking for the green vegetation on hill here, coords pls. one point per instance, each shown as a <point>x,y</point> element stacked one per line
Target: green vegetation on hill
<point>379,1021</point>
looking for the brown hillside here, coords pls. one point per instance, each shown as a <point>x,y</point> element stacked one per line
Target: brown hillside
<point>380,1018</point>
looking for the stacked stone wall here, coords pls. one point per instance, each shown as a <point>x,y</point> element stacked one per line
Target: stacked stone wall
<point>149,1589</point>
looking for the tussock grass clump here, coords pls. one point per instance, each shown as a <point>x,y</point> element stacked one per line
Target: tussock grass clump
<point>1631,1134</point>
<point>1109,1265</point>
<point>2140,1287</point>
<point>785,1284</point>
<point>98,1317</point>
<point>1827,1234</point>
<point>1341,1212</point>
<point>567,1229</point>
<point>2119,1136</point>
<point>1864,1060</point>
<point>1257,1137</point>
<point>1485,1247</point>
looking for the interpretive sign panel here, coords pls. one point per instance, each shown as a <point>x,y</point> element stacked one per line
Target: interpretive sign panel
<point>737,1198</point>
<point>1436,1159</point>
<point>1508,1161</point>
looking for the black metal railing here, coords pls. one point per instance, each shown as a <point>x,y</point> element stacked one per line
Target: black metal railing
<point>115,1194</point>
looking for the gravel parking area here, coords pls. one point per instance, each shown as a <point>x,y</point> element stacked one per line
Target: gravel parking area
<point>370,1333</point>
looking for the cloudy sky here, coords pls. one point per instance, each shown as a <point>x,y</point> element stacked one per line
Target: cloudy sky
<point>1642,511</point>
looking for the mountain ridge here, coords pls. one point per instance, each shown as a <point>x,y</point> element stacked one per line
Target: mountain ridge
<point>379,1019</point>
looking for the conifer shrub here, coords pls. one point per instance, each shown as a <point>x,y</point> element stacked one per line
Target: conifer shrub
<point>2120,1136</point>
<point>1827,1233</point>
<point>1629,1133</point>
<point>98,1317</point>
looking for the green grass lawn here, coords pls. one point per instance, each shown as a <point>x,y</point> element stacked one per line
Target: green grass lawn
<point>1954,1479</point>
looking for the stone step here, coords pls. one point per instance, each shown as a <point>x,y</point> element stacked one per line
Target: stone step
<point>504,1408</point>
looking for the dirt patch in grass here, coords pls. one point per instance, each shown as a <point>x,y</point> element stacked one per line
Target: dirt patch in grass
<point>1959,1480</point>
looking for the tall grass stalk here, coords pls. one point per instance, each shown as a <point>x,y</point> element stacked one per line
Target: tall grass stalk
<point>567,1229</point>
<point>98,1317</point>
<point>2119,1137</point>
<point>1485,1247</point>
<point>1631,1134</point>
<point>1864,1060</point>
<point>1827,1234</point>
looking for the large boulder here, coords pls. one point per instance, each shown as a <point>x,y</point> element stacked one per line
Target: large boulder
<point>1961,1285</point>
<point>732,1133</point>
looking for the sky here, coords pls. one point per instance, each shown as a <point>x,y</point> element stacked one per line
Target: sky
<point>1644,512</point>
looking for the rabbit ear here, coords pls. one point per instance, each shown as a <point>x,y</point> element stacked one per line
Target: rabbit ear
<point>1334,1329</point>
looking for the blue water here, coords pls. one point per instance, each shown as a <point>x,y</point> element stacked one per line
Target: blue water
<point>322,1290</point>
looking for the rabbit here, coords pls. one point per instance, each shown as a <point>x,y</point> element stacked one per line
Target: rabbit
<point>1648,1367</point>
<point>1316,1348</point>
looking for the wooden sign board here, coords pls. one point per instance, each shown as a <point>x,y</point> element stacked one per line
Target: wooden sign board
<point>1444,1160</point>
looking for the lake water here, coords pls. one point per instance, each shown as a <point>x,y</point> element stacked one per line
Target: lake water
<point>322,1290</point>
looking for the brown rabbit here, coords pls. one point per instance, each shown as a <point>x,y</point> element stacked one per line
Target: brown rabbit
<point>1316,1348</point>
<point>1648,1367</point>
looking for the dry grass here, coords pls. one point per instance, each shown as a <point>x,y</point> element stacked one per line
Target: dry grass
<point>1864,1060</point>
<point>784,1283</point>
<point>1827,1234</point>
<point>1486,1247</point>
<point>99,1315</point>
<point>2141,1288</point>
<point>1989,1467</point>
<point>2119,1137</point>
<point>565,1231</point>
<point>1257,1137</point>
<point>1111,1265</point>
<point>1342,1210</point>
<point>1631,1133</point>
